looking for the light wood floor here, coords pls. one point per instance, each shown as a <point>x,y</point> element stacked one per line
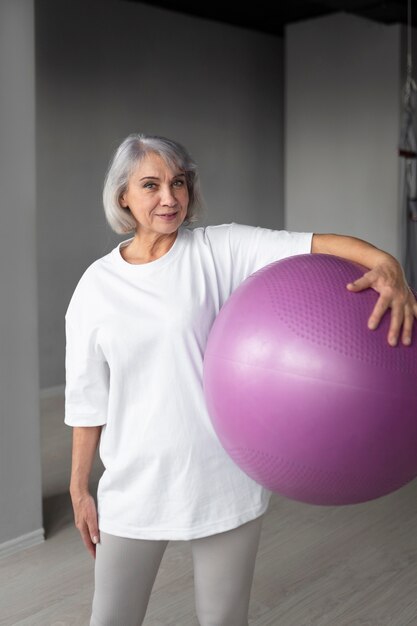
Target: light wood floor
<point>316,566</point>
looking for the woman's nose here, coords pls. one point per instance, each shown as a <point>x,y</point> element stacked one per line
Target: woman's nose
<point>167,197</point>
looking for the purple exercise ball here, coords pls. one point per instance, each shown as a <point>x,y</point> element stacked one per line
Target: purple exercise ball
<point>306,399</point>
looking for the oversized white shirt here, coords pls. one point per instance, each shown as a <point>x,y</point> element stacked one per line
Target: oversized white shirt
<point>135,341</point>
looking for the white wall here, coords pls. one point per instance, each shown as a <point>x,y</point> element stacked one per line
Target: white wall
<point>20,456</point>
<point>106,69</point>
<point>342,107</point>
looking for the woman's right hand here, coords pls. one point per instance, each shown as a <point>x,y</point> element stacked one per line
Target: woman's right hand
<point>85,516</point>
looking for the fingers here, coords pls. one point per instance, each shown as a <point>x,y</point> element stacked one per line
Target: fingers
<point>379,309</point>
<point>90,537</point>
<point>407,333</point>
<point>401,317</point>
<point>93,528</point>
<point>361,283</point>
<point>392,294</point>
<point>93,533</point>
<point>409,320</point>
<point>86,521</point>
<point>87,538</point>
<point>397,318</point>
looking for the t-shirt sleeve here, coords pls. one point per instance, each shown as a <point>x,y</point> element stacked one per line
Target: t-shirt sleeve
<point>253,247</point>
<point>241,249</point>
<point>87,373</point>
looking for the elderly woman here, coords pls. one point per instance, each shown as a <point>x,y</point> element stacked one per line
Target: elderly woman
<point>136,327</point>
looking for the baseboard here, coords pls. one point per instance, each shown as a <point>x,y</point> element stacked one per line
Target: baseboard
<point>49,392</point>
<point>22,542</point>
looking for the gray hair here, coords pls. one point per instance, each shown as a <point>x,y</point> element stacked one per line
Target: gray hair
<point>130,152</point>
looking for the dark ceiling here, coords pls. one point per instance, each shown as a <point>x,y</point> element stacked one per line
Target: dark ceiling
<point>272,16</point>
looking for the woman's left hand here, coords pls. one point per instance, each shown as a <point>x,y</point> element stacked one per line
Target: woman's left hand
<point>387,278</point>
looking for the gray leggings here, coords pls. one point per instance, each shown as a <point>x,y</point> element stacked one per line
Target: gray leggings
<point>224,563</point>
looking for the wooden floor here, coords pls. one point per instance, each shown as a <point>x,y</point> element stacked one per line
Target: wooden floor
<point>316,566</point>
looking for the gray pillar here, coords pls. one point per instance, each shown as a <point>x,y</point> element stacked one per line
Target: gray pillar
<point>342,124</point>
<point>20,450</point>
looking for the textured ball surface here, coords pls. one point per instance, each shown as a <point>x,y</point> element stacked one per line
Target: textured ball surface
<point>306,399</point>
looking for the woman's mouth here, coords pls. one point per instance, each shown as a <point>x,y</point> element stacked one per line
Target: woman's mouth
<point>167,216</point>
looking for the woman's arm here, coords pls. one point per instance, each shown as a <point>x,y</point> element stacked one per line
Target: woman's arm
<point>84,445</point>
<point>385,276</point>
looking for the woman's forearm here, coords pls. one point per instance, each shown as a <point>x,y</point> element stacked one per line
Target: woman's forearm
<point>351,248</point>
<point>84,444</point>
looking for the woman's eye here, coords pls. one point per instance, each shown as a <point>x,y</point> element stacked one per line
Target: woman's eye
<point>178,183</point>
<point>149,185</point>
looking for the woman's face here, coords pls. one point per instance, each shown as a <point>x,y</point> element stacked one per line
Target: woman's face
<point>157,196</point>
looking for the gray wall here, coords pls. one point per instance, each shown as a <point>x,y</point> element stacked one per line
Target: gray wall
<point>342,106</point>
<point>105,69</point>
<point>20,462</point>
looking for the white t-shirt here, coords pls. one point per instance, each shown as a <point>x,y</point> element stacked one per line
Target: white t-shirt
<point>135,341</point>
